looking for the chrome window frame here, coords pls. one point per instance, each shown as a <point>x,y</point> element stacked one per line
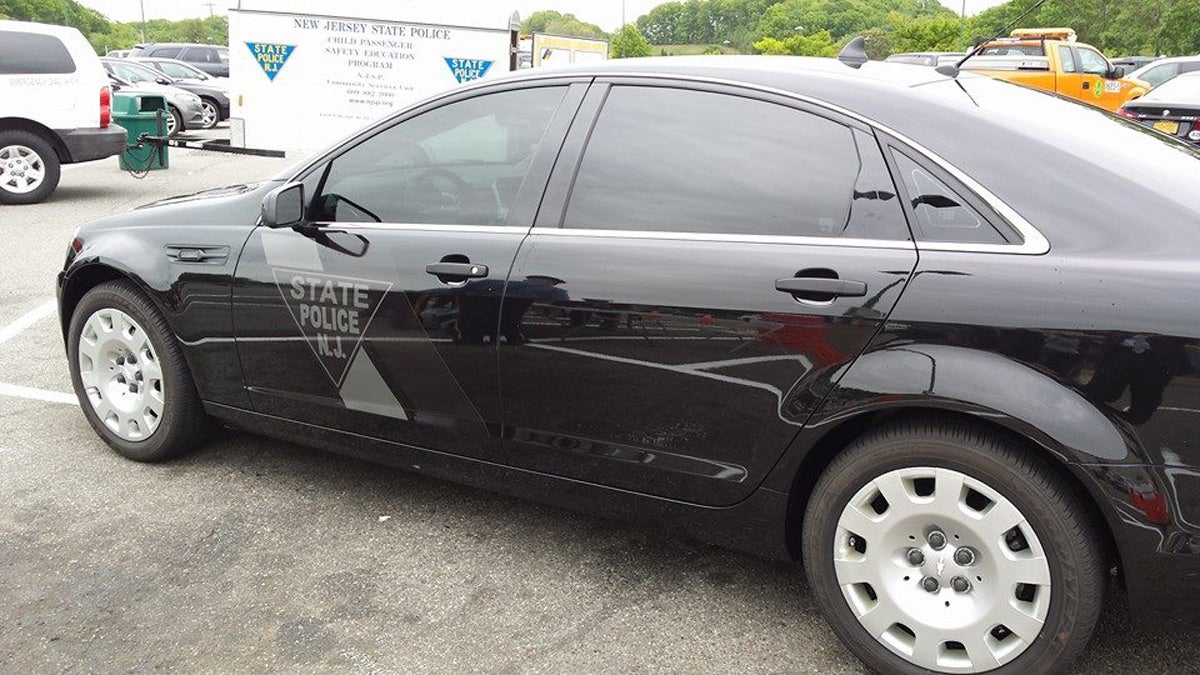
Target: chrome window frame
<point>1033,242</point>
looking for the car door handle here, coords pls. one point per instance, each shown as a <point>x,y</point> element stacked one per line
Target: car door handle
<point>457,269</point>
<point>822,286</point>
<point>1087,85</point>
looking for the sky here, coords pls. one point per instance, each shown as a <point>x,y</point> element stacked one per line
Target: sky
<point>605,13</point>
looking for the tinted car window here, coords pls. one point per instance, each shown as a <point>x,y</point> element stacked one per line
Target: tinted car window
<point>941,214</point>
<point>33,54</point>
<point>460,164</point>
<point>178,70</point>
<point>687,161</point>
<point>131,72</point>
<point>1068,60</point>
<point>200,55</point>
<point>1159,74</point>
<point>166,52</point>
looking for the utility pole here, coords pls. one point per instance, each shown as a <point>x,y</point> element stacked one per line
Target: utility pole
<point>210,6</point>
<point>142,4</point>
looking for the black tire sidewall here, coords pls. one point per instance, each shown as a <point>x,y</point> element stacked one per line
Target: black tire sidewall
<point>50,160</point>
<point>178,117</point>
<point>216,111</point>
<point>170,438</point>
<point>835,490</point>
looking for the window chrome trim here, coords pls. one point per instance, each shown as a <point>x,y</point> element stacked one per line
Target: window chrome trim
<point>903,244</point>
<point>427,227</point>
<point>1034,243</point>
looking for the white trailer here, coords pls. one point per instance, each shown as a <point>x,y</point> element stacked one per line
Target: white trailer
<point>301,77</point>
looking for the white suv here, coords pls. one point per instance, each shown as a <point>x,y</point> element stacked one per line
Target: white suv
<point>55,108</point>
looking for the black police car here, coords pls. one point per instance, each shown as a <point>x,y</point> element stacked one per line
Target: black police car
<point>936,337</point>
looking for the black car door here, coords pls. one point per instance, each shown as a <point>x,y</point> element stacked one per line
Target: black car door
<point>703,255</point>
<point>379,317</point>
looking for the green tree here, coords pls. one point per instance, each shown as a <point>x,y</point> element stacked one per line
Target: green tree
<point>820,43</point>
<point>628,42</point>
<point>556,23</point>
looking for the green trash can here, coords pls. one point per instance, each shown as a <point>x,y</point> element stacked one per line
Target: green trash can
<point>142,114</point>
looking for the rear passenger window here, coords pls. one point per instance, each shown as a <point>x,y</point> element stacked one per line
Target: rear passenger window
<point>166,52</point>
<point>33,54</point>
<point>676,160</point>
<point>941,215</point>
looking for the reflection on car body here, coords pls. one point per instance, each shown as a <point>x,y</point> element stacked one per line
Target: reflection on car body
<point>849,326</point>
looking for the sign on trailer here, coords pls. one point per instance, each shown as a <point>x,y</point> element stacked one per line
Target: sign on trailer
<point>301,81</point>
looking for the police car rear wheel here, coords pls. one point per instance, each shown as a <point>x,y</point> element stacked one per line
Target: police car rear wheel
<point>130,376</point>
<point>935,546</point>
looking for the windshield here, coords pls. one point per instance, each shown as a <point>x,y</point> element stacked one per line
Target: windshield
<point>1182,89</point>
<point>133,72</point>
<point>181,70</point>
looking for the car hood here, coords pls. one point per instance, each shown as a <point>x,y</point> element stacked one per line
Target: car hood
<point>235,206</point>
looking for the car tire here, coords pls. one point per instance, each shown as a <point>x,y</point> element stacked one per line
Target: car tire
<point>967,484</point>
<point>212,113</point>
<point>22,154</point>
<point>163,417</point>
<point>175,123</point>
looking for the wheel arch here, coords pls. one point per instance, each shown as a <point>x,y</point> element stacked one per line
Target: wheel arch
<point>42,131</point>
<point>84,278</point>
<point>826,447</point>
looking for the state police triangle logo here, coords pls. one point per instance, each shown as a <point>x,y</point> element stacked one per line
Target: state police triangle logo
<point>333,313</point>
<point>466,70</point>
<point>270,57</point>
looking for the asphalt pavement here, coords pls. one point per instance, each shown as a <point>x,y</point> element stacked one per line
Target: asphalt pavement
<point>258,555</point>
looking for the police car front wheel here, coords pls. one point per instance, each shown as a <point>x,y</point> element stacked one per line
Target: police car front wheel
<point>130,376</point>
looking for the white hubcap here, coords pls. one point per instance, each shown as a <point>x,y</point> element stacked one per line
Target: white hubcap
<point>942,569</point>
<point>21,169</point>
<point>121,375</point>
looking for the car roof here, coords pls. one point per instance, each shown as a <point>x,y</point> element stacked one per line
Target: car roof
<point>41,28</point>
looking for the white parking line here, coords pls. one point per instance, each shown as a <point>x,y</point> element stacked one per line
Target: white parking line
<point>26,320</point>
<point>31,393</point>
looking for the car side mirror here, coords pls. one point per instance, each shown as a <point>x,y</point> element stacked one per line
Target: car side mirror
<point>284,206</point>
<point>162,80</point>
<point>1115,73</point>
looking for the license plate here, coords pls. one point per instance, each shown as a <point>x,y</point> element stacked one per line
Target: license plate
<point>1167,127</point>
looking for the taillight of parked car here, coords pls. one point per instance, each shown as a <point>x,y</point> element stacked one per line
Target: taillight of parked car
<point>1194,134</point>
<point>1126,114</point>
<point>105,107</point>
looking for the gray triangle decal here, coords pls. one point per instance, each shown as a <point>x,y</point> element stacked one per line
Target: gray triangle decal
<point>332,313</point>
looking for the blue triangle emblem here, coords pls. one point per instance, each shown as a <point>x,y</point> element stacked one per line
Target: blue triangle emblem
<point>270,57</point>
<point>466,70</point>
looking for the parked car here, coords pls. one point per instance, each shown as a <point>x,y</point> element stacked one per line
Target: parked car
<point>1132,63</point>
<point>1172,107</point>
<point>213,91</point>
<point>186,109</point>
<point>55,108</point>
<point>118,53</point>
<point>212,59</point>
<point>926,58</point>
<point>873,323</point>
<point>1164,69</point>
<point>1053,60</point>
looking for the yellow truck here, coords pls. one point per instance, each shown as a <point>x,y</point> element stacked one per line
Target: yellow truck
<point>1051,59</point>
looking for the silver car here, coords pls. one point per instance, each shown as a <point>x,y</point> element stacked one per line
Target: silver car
<point>186,108</point>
